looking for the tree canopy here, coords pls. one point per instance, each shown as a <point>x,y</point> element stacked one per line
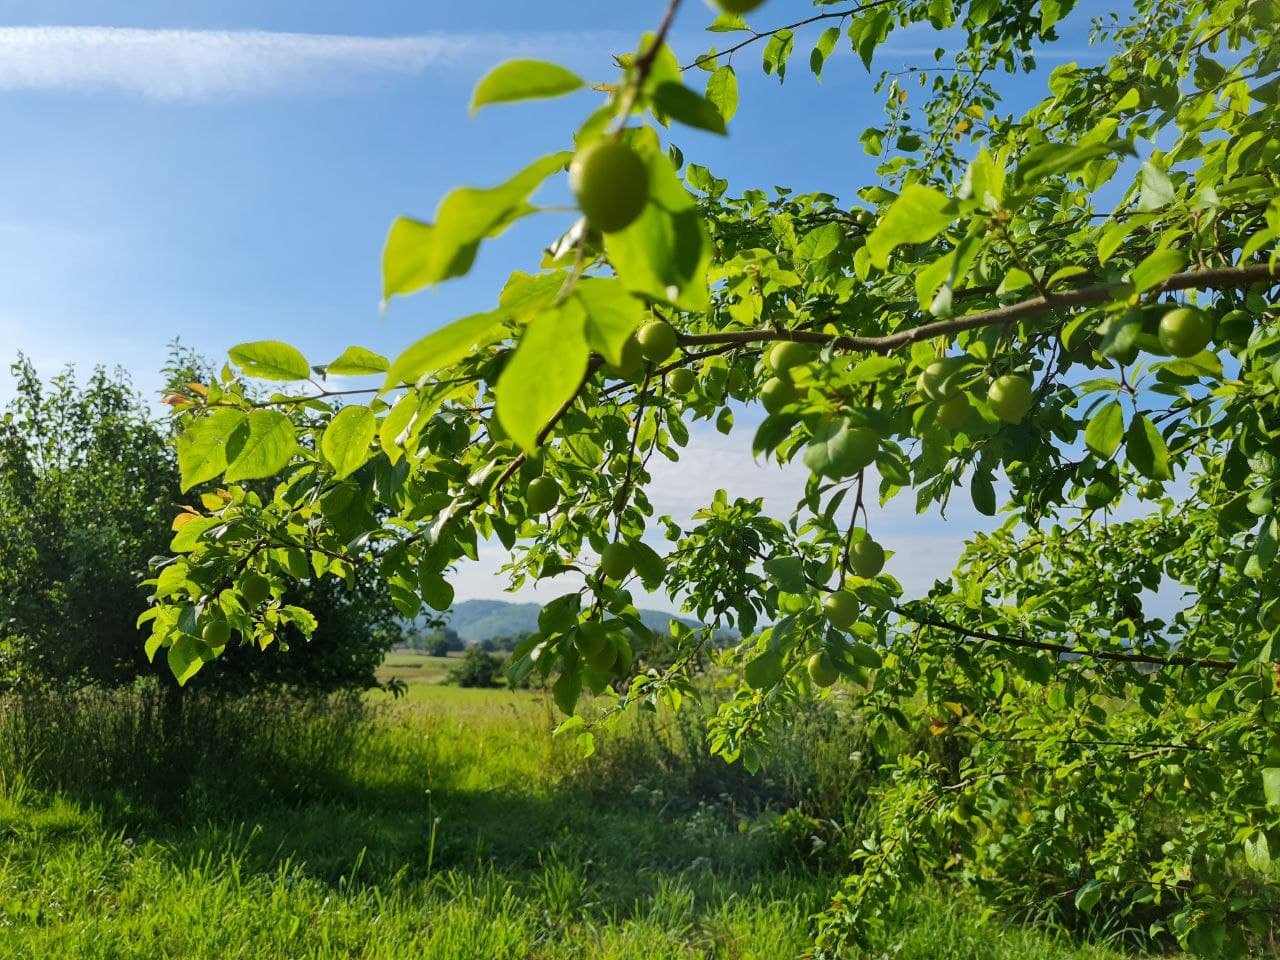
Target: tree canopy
<point>1066,315</point>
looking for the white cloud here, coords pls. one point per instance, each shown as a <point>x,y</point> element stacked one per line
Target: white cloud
<point>234,64</point>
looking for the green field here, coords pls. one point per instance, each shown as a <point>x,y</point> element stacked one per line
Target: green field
<point>448,825</point>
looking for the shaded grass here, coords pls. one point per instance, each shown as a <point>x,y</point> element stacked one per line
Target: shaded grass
<point>449,826</point>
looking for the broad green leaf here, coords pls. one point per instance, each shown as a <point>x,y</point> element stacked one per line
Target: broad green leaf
<point>567,689</point>
<point>666,253</point>
<point>356,362</point>
<point>787,573</point>
<point>1147,450</point>
<point>202,447</point>
<point>722,90</point>
<point>1087,896</point>
<point>346,441</point>
<point>983,493</point>
<point>266,449</point>
<point>612,315</point>
<point>678,102</point>
<point>524,80</point>
<point>437,592</point>
<point>395,424</point>
<point>1157,189</point>
<point>1105,430</point>
<point>420,254</point>
<point>1257,852</point>
<point>1271,786</point>
<point>443,348</point>
<point>270,360</point>
<point>545,372</point>
<point>186,656</point>
<point>919,214</point>
<point>1156,269</point>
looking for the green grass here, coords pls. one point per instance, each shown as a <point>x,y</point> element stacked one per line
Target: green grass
<point>415,668</point>
<point>451,825</point>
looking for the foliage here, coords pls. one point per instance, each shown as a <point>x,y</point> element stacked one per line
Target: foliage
<point>991,319</point>
<point>477,668</point>
<point>315,828</point>
<point>88,487</point>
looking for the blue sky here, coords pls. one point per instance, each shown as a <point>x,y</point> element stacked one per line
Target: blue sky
<point>226,172</point>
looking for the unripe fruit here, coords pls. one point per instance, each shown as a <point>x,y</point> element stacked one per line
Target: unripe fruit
<point>1269,616</point>
<point>657,340</point>
<point>611,183</point>
<point>216,633</point>
<point>738,6</point>
<point>630,362</point>
<point>866,557</point>
<point>542,494</point>
<point>1010,397</point>
<point>1185,331</point>
<point>787,354</point>
<point>932,381</point>
<point>254,588</point>
<point>776,394</point>
<point>616,561</point>
<point>851,451</point>
<point>680,380</point>
<point>954,413</point>
<point>822,670</point>
<point>841,609</point>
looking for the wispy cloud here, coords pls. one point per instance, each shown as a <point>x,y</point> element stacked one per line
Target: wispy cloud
<point>236,64</point>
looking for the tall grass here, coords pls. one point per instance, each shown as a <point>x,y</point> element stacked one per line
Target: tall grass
<point>454,826</point>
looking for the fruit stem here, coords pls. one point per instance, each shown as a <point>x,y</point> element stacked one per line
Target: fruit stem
<point>644,63</point>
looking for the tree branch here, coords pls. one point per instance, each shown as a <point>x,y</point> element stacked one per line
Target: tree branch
<point>1060,648</point>
<point>1217,278</point>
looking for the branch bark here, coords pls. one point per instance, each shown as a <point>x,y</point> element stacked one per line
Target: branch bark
<point>1060,648</point>
<point>1213,279</point>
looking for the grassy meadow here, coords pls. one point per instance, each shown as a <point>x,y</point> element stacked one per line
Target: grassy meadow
<point>445,824</point>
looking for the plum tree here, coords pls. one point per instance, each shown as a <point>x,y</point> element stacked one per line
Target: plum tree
<point>1032,246</point>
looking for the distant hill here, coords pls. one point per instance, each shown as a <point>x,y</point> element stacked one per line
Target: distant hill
<point>477,620</point>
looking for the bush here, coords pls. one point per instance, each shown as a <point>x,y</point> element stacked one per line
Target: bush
<point>478,669</point>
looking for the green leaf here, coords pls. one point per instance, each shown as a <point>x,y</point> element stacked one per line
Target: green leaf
<point>266,450</point>
<point>524,80</point>
<point>566,690</point>
<point>1271,786</point>
<point>722,91</point>
<point>919,214</point>
<point>420,254</point>
<point>1257,852</point>
<point>1156,190</point>
<point>787,573</point>
<point>612,315</point>
<point>1105,430</point>
<point>357,362</point>
<point>186,656</point>
<point>1087,896</point>
<point>983,493</point>
<point>270,360</point>
<point>443,348</point>
<point>1147,450</point>
<point>545,372</point>
<point>437,592</point>
<point>1156,269</point>
<point>202,447</point>
<point>665,254</point>
<point>346,441</point>
<point>684,105</point>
